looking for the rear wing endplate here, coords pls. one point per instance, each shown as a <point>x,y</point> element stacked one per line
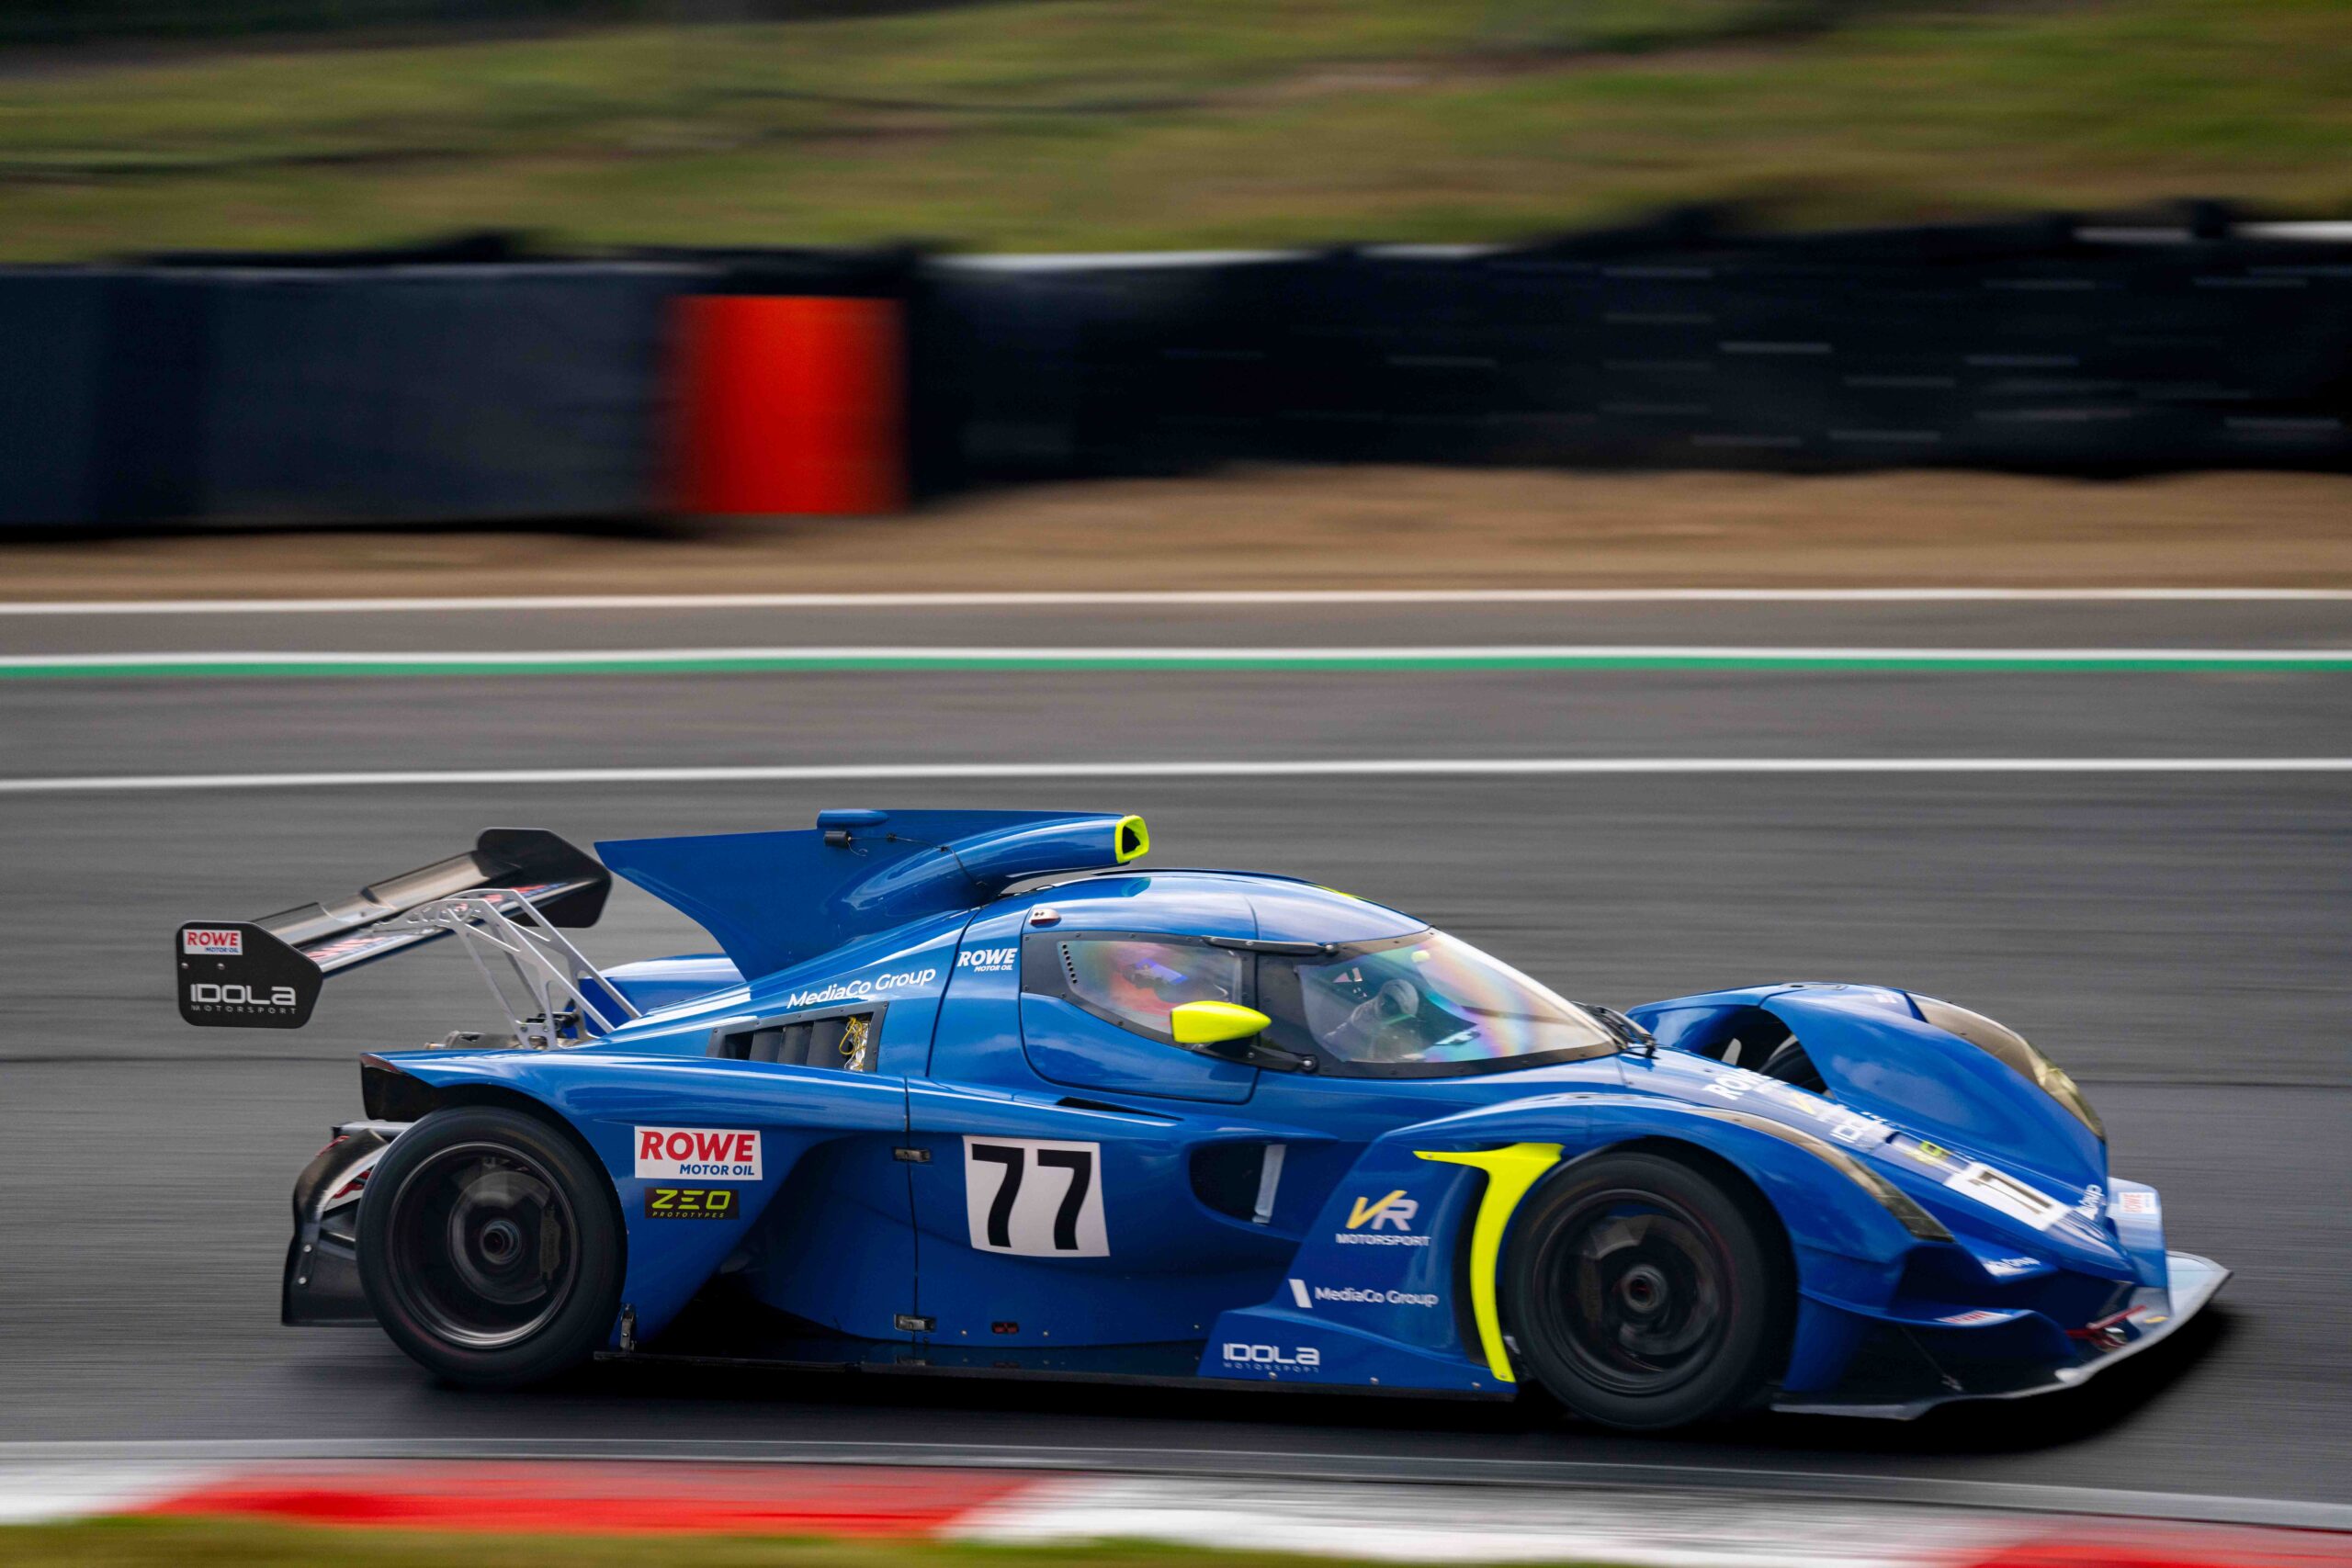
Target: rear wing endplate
<point>510,888</point>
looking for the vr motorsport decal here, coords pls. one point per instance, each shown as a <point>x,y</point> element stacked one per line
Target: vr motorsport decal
<point>1034,1198</point>
<point>1381,1222</point>
<point>706,1154</point>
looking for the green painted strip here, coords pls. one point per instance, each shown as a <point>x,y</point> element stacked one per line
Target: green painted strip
<point>176,667</point>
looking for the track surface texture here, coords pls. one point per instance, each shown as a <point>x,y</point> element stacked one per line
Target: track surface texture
<point>2177,940</point>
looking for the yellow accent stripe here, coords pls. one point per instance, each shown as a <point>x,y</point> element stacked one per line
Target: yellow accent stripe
<point>1509,1173</point>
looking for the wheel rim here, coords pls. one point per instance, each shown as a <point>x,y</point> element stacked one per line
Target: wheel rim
<point>1645,1291</point>
<point>482,1247</point>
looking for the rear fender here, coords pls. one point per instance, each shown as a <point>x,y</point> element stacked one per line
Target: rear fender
<point>611,1101</point>
<point>653,984</point>
<point>321,1286</point>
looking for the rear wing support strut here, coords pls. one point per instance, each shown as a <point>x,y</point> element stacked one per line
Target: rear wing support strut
<point>562,997</point>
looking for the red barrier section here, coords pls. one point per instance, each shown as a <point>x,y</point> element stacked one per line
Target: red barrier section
<point>2125,1544</point>
<point>608,1499</point>
<point>790,405</point>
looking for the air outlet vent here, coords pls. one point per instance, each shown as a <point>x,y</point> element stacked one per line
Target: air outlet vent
<point>1226,1177</point>
<point>846,1041</point>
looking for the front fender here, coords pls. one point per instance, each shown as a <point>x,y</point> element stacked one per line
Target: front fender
<point>1877,1054</point>
<point>1426,1217</point>
<point>1850,1231</point>
<point>1828,1202</point>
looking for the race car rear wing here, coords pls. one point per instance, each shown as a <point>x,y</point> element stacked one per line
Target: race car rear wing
<point>506,894</point>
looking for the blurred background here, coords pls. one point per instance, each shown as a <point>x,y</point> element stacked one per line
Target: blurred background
<point>1681,492</point>
<point>137,125</point>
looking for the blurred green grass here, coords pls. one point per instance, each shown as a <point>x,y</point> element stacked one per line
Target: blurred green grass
<point>1059,124</point>
<point>228,1543</point>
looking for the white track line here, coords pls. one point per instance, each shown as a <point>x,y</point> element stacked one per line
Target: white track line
<point>919,772</point>
<point>1415,1521</point>
<point>1172,597</point>
<point>1766,654</point>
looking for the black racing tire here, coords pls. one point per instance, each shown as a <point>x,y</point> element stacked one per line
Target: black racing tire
<point>491,1247</point>
<point>1644,1293</point>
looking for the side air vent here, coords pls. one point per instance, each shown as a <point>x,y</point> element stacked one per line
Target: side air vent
<point>1239,1179</point>
<point>842,1039</point>
<point>1073,1103</point>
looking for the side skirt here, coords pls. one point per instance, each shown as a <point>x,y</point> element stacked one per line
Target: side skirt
<point>1128,1366</point>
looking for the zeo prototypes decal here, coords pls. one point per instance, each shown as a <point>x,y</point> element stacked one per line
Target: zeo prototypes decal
<point>1034,1197</point>
<point>691,1203</point>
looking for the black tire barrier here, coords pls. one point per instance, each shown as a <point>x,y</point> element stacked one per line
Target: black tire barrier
<point>470,380</point>
<point>2028,347</point>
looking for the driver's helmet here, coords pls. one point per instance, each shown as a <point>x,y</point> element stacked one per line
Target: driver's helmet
<point>1142,979</point>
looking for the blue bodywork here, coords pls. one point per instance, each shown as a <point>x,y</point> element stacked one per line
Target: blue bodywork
<point>1206,1216</point>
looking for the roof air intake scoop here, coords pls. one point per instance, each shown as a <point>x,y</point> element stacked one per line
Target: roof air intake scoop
<point>772,899</point>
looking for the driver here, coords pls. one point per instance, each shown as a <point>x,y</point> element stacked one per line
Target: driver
<point>1142,985</point>
<point>1381,1028</point>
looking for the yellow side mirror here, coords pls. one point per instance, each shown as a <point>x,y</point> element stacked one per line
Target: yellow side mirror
<point>1214,1023</point>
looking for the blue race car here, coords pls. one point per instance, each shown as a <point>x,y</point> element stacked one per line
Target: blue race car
<point>968,1091</point>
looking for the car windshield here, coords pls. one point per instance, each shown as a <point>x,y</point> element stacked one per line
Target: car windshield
<point>1430,1002</point>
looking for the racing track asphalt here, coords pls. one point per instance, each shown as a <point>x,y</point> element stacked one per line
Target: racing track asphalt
<point>2178,940</point>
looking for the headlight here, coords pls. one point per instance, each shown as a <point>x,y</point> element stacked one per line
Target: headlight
<point>2000,1040</point>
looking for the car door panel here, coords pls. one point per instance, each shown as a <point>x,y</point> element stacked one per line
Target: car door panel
<point>1043,1224</point>
<point>1067,1045</point>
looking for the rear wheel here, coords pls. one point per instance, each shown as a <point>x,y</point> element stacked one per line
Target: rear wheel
<point>1643,1294</point>
<point>488,1248</point>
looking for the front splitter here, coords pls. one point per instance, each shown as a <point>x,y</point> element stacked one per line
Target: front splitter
<point>2191,1283</point>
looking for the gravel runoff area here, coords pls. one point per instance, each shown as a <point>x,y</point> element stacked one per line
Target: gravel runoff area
<point>1346,527</point>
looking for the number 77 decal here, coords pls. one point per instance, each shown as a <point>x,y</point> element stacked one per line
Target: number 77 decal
<point>1034,1199</point>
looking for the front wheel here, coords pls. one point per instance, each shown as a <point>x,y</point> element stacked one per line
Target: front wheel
<point>489,1248</point>
<point>1643,1294</point>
